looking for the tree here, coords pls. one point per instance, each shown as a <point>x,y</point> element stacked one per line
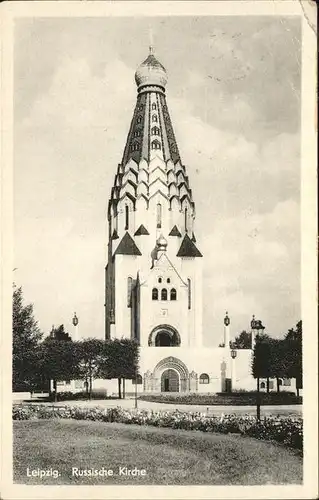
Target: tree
<point>57,359</point>
<point>293,340</point>
<point>59,333</point>
<point>90,356</point>
<point>26,337</point>
<point>242,341</point>
<point>261,363</point>
<point>278,360</point>
<point>121,361</point>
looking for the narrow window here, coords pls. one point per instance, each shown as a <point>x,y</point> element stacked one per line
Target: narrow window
<point>156,145</point>
<point>160,280</point>
<point>155,131</point>
<point>154,118</point>
<point>168,280</point>
<point>189,293</point>
<point>164,294</point>
<point>159,215</point>
<point>262,385</point>
<point>186,219</point>
<point>126,217</point>
<point>154,294</point>
<point>173,294</point>
<point>153,105</point>
<point>139,119</point>
<point>129,291</point>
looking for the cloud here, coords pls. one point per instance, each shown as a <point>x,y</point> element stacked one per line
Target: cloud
<point>246,192</point>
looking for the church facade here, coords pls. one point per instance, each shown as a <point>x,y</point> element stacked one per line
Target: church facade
<point>153,276</point>
<point>153,280</point>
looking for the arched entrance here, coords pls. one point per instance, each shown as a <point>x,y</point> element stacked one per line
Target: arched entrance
<point>170,375</point>
<point>170,381</point>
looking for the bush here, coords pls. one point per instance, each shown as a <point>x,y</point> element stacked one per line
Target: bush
<point>235,398</point>
<point>75,396</point>
<point>285,430</point>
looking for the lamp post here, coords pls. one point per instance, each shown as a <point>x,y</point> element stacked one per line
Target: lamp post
<point>233,354</point>
<point>135,405</point>
<point>75,321</point>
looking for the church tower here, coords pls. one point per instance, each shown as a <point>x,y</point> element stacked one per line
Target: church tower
<point>153,274</point>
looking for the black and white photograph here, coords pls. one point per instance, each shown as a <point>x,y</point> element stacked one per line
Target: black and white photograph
<point>158,287</point>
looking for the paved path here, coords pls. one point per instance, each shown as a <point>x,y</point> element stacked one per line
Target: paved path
<point>211,410</point>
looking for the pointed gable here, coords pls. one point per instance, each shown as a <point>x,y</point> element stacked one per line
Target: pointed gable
<point>127,246</point>
<point>141,231</point>
<point>188,248</point>
<point>175,232</point>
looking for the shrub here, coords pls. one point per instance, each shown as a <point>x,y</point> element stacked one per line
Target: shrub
<point>237,398</point>
<point>285,430</point>
<point>75,396</point>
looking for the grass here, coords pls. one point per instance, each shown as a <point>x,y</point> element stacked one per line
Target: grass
<point>169,456</point>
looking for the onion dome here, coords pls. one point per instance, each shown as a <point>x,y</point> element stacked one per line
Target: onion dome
<point>161,243</point>
<point>151,72</point>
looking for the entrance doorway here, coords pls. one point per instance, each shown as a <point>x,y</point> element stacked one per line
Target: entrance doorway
<point>170,381</point>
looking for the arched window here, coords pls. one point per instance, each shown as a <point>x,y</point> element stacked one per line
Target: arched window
<point>129,291</point>
<point>160,280</point>
<point>185,219</point>
<point>154,118</point>
<point>140,107</point>
<point>262,385</point>
<point>138,380</point>
<point>139,119</point>
<point>164,294</point>
<point>153,105</point>
<point>156,145</point>
<point>135,146</point>
<point>204,378</point>
<point>168,280</point>
<point>159,215</point>
<point>173,294</point>
<point>137,133</point>
<point>154,294</point>
<point>155,131</point>
<point>279,381</point>
<point>189,293</point>
<point>126,217</point>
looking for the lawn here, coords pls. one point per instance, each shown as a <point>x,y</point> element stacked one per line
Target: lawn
<point>169,456</point>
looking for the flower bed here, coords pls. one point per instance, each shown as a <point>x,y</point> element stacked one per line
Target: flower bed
<point>288,431</point>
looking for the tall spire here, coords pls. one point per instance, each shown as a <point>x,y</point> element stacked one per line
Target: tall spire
<point>151,163</point>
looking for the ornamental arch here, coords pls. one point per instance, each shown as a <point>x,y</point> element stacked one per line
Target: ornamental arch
<point>171,375</point>
<point>164,336</point>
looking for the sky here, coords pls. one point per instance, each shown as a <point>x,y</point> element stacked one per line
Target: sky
<point>233,94</point>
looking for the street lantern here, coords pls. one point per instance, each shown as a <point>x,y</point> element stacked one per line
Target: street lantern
<point>75,320</point>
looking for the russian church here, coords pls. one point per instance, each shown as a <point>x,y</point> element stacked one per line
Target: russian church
<point>153,276</point>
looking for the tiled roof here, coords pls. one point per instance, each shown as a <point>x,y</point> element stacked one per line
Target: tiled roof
<point>141,230</point>
<point>175,232</point>
<point>127,246</point>
<point>188,248</point>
